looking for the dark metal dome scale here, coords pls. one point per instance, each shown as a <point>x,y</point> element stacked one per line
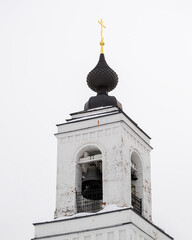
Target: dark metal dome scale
<point>102,76</point>
<point>102,79</point>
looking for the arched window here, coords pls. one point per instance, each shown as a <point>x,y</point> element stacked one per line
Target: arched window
<point>136,182</point>
<point>89,193</point>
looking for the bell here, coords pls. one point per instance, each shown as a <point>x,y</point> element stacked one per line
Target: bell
<point>134,176</point>
<point>92,184</point>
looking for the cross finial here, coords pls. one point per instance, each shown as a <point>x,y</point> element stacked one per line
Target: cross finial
<point>102,42</point>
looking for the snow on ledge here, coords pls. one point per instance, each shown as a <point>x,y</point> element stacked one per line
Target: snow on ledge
<point>108,208</point>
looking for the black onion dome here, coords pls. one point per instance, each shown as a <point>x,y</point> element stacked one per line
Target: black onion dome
<point>102,76</point>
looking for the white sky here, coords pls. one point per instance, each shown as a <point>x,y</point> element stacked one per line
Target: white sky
<point>47,49</point>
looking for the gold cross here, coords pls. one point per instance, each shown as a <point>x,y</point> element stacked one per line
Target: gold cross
<point>102,42</point>
<point>102,26</point>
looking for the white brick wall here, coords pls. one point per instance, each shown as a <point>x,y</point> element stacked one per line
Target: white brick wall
<point>117,138</point>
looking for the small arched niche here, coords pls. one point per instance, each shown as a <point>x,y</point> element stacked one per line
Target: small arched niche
<point>136,182</point>
<point>89,193</point>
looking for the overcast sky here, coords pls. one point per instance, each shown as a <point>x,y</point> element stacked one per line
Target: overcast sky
<point>47,49</point>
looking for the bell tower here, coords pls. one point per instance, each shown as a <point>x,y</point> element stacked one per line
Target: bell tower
<point>103,171</point>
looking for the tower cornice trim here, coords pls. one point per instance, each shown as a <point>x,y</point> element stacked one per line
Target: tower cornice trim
<point>104,124</point>
<point>98,228</point>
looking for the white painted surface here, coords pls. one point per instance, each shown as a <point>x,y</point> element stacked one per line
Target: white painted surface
<point>119,145</point>
<point>116,137</point>
<point>118,225</point>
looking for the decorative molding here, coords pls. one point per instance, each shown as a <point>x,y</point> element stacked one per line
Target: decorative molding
<point>136,141</point>
<point>89,135</point>
<point>78,138</point>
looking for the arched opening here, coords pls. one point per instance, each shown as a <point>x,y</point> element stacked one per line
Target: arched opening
<point>136,182</point>
<point>89,190</point>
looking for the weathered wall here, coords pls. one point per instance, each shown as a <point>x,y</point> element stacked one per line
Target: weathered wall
<point>116,138</point>
<point>133,143</point>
